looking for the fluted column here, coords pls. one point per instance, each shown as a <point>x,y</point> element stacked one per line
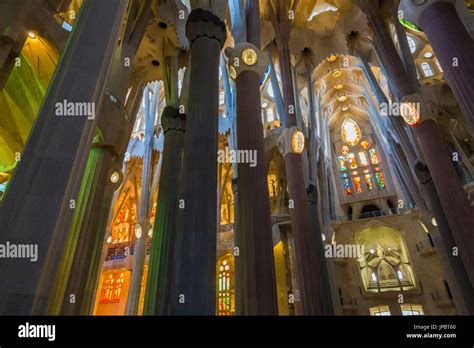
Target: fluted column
<point>452,45</point>
<point>194,277</point>
<point>157,296</point>
<point>257,281</point>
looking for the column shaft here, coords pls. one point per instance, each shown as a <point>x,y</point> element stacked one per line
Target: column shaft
<point>157,296</point>
<point>194,277</point>
<point>311,264</point>
<point>456,206</point>
<point>256,245</point>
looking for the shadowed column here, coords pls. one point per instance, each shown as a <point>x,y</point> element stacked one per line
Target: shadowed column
<point>194,288</point>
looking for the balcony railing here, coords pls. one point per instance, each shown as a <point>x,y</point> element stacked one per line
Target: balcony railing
<point>121,250</point>
<point>372,214</point>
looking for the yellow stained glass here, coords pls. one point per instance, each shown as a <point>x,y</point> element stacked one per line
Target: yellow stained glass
<point>357,184</point>
<point>350,132</point>
<point>352,161</point>
<point>363,159</point>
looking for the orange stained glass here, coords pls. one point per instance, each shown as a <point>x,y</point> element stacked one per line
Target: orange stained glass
<point>352,161</point>
<point>357,184</point>
<point>112,288</point>
<point>364,144</point>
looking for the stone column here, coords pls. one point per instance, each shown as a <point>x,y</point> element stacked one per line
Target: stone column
<point>255,242</point>
<point>454,270</point>
<point>143,214</point>
<point>194,290</point>
<point>37,209</point>
<point>255,229</point>
<point>157,296</point>
<point>81,247</point>
<point>115,126</point>
<point>452,45</point>
<point>456,206</point>
<point>311,263</point>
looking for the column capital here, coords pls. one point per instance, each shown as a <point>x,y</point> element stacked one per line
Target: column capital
<point>246,57</point>
<point>172,119</point>
<point>204,23</point>
<point>291,140</point>
<point>411,10</point>
<point>419,108</point>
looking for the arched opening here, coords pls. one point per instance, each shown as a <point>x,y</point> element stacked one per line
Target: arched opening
<point>370,210</point>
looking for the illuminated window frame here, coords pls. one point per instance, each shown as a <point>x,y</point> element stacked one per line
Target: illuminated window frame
<point>411,309</point>
<point>379,311</point>
<point>427,70</point>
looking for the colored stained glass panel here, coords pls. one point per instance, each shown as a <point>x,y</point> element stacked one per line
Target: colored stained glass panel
<point>369,182</point>
<point>363,159</point>
<point>357,184</point>
<point>342,164</point>
<point>380,180</point>
<point>373,156</point>
<point>352,161</point>
<point>347,186</point>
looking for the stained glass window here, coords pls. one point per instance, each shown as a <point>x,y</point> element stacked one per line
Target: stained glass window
<point>373,156</point>
<point>357,185</point>
<point>364,144</point>
<point>347,186</point>
<point>350,132</point>
<point>427,71</point>
<point>380,180</point>
<point>112,288</point>
<point>369,182</point>
<point>344,150</point>
<point>342,164</point>
<point>352,161</point>
<point>225,289</point>
<point>363,159</point>
<point>411,44</point>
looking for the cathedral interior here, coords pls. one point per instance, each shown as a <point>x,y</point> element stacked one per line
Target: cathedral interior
<point>237,157</point>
